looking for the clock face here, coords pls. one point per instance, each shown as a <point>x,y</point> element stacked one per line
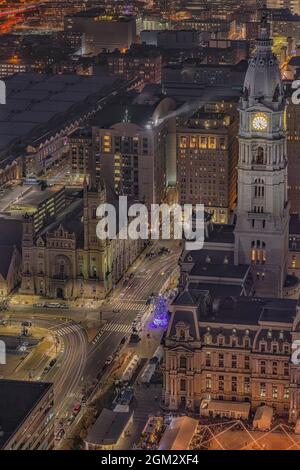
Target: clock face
<point>260,122</point>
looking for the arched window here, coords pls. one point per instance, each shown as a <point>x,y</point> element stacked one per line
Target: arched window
<point>258,252</point>
<point>62,267</point>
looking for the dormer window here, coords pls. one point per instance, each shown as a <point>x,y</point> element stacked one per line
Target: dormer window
<point>208,338</point>
<point>208,259</point>
<point>262,346</point>
<point>270,334</point>
<point>281,335</point>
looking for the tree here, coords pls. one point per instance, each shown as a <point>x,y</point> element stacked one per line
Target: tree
<point>161,316</point>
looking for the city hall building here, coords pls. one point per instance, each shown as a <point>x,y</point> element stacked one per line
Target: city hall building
<point>232,332</point>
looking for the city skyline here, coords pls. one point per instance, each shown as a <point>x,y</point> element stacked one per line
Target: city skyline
<point>150,227</point>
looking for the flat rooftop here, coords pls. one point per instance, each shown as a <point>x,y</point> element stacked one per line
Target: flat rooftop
<point>17,400</point>
<point>100,15</point>
<point>108,428</point>
<point>36,196</point>
<point>39,105</point>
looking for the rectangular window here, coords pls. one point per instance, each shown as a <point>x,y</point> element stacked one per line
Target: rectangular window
<point>234,384</point>
<point>247,385</point>
<point>221,383</point>
<point>262,390</point>
<point>208,382</point>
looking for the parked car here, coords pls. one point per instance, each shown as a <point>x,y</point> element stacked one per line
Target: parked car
<point>60,435</point>
<point>51,363</point>
<point>70,420</point>
<point>77,408</point>
<point>109,360</point>
<point>64,306</point>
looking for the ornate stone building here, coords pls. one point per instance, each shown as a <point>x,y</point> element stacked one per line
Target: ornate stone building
<point>65,259</point>
<point>231,335</point>
<point>236,349</point>
<point>262,228</point>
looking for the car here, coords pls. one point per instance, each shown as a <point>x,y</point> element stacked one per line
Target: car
<point>60,435</point>
<point>52,305</point>
<point>70,420</point>
<point>134,338</point>
<point>51,363</point>
<point>65,306</point>
<point>45,371</point>
<point>109,360</point>
<point>77,408</point>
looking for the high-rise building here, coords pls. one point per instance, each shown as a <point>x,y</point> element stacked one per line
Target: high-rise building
<point>101,31</point>
<point>262,229</point>
<point>27,415</point>
<point>207,156</point>
<point>228,347</point>
<point>293,153</point>
<point>130,143</point>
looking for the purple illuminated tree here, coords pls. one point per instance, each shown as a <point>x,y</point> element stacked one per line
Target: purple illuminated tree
<point>161,316</point>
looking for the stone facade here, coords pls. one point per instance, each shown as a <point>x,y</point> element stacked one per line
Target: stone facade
<point>234,349</point>
<point>67,260</point>
<point>262,228</point>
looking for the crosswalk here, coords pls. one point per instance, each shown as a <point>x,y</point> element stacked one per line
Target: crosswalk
<point>65,330</point>
<point>112,327</point>
<point>132,306</point>
<point>117,328</point>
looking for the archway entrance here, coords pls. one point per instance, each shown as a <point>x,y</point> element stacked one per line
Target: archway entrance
<point>60,293</point>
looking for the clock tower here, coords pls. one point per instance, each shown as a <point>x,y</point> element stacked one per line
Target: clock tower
<point>262,228</point>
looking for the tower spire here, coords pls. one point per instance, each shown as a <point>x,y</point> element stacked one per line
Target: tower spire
<point>264,23</point>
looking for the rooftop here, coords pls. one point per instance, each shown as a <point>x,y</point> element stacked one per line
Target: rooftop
<point>108,428</point>
<point>17,400</point>
<point>40,105</point>
<point>99,15</point>
<point>37,196</point>
<point>138,114</point>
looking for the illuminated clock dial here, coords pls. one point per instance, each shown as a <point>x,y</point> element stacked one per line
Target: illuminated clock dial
<point>260,122</point>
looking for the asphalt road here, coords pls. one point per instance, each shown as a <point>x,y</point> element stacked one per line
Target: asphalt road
<point>67,373</point>
<point>80,362</point>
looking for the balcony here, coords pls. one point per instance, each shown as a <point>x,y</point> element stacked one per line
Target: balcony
<point>259,215</point>
<point>60,277</point>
